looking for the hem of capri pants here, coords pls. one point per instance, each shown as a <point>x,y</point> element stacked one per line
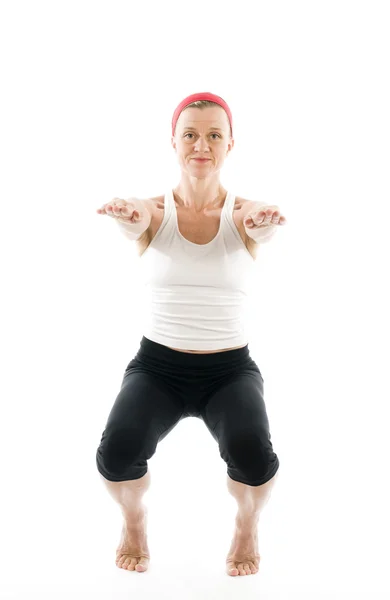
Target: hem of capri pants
<point>262,480</point>
<point>109,477</point>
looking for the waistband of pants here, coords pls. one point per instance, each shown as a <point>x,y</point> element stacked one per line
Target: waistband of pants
<point>157,351</point>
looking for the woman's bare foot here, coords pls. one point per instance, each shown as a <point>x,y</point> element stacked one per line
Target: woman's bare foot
<point>244,557</point>
<point>132,553</point>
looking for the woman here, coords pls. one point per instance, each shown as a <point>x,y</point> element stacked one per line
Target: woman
<point>197,245</point>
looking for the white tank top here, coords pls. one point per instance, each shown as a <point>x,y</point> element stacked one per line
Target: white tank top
<point>195,294</point>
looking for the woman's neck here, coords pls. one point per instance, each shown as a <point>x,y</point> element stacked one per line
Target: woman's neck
<point>199,201</point>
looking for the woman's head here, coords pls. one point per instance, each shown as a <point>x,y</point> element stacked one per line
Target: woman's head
<point>201,100</point>
<point>203,128</point>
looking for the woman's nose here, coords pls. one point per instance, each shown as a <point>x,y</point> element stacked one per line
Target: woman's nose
<point>201,143</point>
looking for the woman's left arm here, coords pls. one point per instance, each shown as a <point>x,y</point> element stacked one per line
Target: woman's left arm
<point>262,220</point>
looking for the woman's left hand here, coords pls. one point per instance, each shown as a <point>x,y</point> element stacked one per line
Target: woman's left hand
<point>267,215</point>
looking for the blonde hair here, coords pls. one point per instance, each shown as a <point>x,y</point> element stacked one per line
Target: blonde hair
<point>203,104</point>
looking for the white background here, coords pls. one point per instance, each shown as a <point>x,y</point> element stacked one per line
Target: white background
<point>88,92</point>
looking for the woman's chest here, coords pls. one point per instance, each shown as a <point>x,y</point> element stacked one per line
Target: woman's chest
<point>200,229</point>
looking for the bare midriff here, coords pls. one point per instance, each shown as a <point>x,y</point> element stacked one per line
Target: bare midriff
<point>205,351</point>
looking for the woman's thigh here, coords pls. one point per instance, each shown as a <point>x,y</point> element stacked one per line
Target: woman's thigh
<point>237,418</point>
<point>237,404</point>
<point>143,413</point>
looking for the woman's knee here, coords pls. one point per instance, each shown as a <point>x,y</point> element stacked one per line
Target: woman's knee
<point>251,453</point>
<point>122,454</point>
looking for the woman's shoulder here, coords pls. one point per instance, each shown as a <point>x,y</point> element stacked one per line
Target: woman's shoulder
<point>155,203</point>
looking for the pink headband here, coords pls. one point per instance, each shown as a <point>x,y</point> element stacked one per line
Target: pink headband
<point>201,96</point>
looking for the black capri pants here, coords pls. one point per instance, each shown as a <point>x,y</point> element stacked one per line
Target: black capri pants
<point>161,386</point>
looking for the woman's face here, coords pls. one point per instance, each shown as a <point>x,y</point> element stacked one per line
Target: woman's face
<point>204,133</point>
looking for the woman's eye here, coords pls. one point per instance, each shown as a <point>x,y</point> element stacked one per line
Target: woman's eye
<point>193,134</point>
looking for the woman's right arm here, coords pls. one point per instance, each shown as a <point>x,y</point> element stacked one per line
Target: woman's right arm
<point>132,215</point>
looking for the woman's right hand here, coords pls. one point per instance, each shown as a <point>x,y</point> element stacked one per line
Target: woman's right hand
<point>127,211</point>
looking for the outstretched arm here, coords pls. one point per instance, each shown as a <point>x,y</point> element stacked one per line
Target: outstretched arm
<point>261,221</point>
